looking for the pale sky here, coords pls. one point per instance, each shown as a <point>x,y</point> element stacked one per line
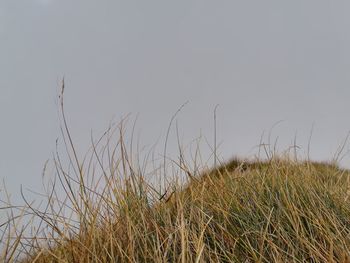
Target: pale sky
<point>261,61</point>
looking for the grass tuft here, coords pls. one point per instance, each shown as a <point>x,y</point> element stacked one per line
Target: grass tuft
<point>105,209</point>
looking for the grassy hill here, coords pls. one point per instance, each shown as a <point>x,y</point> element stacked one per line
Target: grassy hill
<point>276,210</point>
<point>268,211</point>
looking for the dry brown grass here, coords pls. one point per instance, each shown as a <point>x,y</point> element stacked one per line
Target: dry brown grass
<point>277,210</point>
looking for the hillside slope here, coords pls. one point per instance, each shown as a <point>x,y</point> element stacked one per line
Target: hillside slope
<point>274,211</point>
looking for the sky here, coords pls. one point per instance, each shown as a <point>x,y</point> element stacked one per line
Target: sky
<point>262,62</point>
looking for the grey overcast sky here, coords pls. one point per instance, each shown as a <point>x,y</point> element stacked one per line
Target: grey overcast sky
<point>262,61</point>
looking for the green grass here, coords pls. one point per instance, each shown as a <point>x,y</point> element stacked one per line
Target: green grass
<point>276,210</point>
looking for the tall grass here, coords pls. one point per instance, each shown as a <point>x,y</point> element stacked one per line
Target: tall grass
<point>105,208</point>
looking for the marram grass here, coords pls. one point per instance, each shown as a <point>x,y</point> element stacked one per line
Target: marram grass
<point>276,210</point>
<point>271,211</point>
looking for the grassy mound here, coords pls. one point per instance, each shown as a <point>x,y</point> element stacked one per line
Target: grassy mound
<point>278,210</point>
<point>272,211</point>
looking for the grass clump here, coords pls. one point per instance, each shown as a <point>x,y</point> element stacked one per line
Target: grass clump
<point>277,210</point>
<point>274,211</point>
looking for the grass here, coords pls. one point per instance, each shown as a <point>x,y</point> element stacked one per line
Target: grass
<point>274,210</point>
